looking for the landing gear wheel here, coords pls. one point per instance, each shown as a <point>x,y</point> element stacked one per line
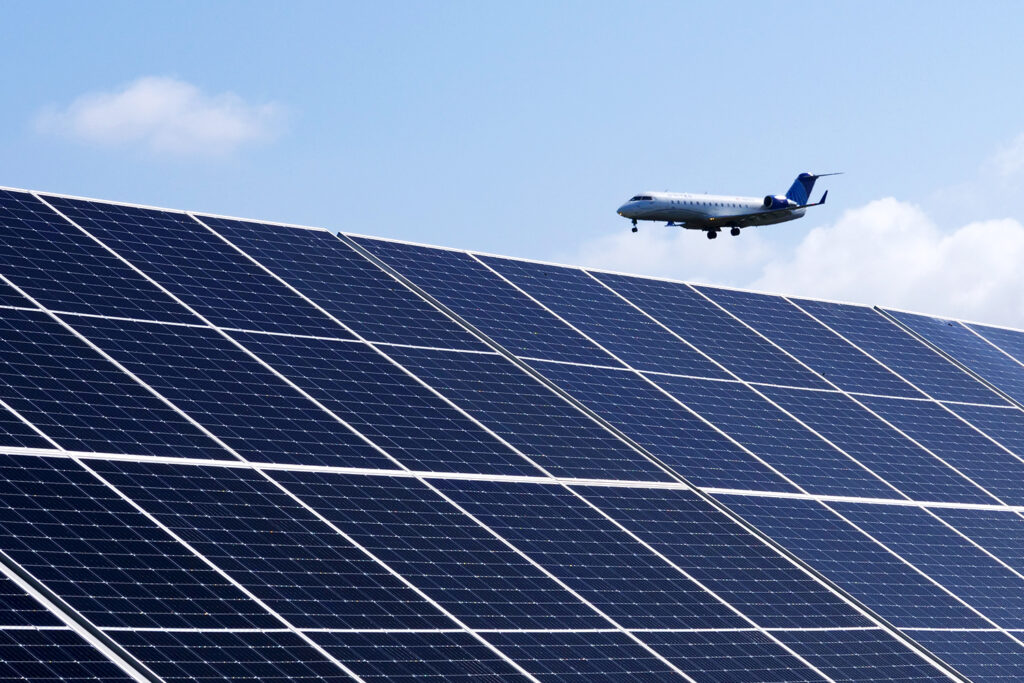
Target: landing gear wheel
<point>712,234</point>
<point>735,232</point>
<point>634,228</point>
<point>634,225</point>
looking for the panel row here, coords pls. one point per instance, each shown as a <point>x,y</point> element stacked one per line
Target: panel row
<point>154,553</point>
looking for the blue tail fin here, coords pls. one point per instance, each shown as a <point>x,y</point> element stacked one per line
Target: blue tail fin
<point>800,190</point>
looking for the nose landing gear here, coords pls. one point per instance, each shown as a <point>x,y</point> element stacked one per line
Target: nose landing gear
<point>634,225</point>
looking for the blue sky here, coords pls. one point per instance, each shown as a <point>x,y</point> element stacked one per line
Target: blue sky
<point>517,128</point>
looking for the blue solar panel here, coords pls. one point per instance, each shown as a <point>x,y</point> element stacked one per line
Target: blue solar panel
<point>593,557</point>
<point>1005,425</point>
<point>946,557</point>
<point>975,353</point>
<point>777,438</point>
<point>18,609</point>
<point>528,415</point>
<point>345,284</point>
<point>591,656</point>
<point>859,656</point>
<point>729,561</point>
<point>10,297</point>
<point>104,558</point>
<point>412,656</point>
<point>877,446</point>
<point>858,564</point>
<point>734,656</point>
<point>981,655</point>
<point>1010,341</point>
<point>232,395</point>
<point>1000,532</point>
<point>901,352</point>
<point>820,349</point>
<point>606,318</point>
<point>53,655</point>
<point>62,268</point>
<point>957,443</point>
<point>663,427</point>
<point>712,330</point>
<point>487,302</point>
<point>198,267</point>
<point>262,538</point>
<point>452,559</point>
<point>386,405</point>
<point>80,399</point>
<point>231,656</point>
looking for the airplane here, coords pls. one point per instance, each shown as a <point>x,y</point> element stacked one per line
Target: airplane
<point>711,213</point>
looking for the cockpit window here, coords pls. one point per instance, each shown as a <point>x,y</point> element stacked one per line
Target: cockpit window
<point>641,198</point>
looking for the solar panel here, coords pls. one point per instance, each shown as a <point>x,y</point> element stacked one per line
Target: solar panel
<point>358,459</point>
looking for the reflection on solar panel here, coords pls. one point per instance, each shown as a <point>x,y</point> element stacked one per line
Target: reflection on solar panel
<point>238,450</point>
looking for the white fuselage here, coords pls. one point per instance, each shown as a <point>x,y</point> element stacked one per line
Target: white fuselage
<point>695,210</point>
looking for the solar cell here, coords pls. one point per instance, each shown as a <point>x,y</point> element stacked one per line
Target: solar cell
<point>227,655</point>
<point>663,427</point>
<point>724,557</point>
<point>487,302</point>
<point>10,297</point>
<point>799,334</point>
<point>207,274</point>
<point>528,415</point>
<point>606,318</point>
<point>1000,532</point>
<point>452,559</point>
<point>902,353</point>
<point>1004,424</point>
<point>386,405</point>
<point>946,557</point>
<point>588,656</point>
<point>777,438</point>
<point>262,538</point>
<point>231,394</point>
<point>591,555</point>
<point>18,609</point>
<point>63,269</point>
<point>735,656</point>
<point>975,353</point>
<point>1010,341</point>
<point>981,655</point>
<point>80,399</point>
<point>345,284</point>
<point>877,446</point>
<point>710,329</point>
<point>957,443</point>
<point>417,656</point>
<point>858,564</point>
<point>103,557</point>
<point>53,655</point>
<point>859,656</point>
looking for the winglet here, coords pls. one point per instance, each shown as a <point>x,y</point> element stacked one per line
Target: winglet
<point>823,197</point>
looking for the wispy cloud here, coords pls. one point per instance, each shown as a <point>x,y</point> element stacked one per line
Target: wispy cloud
<point>1009,160</point>
<point>887,252</point>
<point>165,116</point>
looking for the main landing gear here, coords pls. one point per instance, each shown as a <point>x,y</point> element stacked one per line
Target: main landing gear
<point>735,232</point>
<point>712,234</point>
<point>634,225</point>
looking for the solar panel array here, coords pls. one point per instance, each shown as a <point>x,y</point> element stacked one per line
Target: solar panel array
<point>247,450</point>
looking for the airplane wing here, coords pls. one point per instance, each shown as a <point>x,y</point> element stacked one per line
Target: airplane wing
<point>751,218</point>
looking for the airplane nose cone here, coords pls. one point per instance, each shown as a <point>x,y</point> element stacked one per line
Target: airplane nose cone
<point>622,209</point>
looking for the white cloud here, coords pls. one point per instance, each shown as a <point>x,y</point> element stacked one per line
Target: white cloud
<point>166,116</point>
<point>1009,160</point>
<point>887,253</point>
